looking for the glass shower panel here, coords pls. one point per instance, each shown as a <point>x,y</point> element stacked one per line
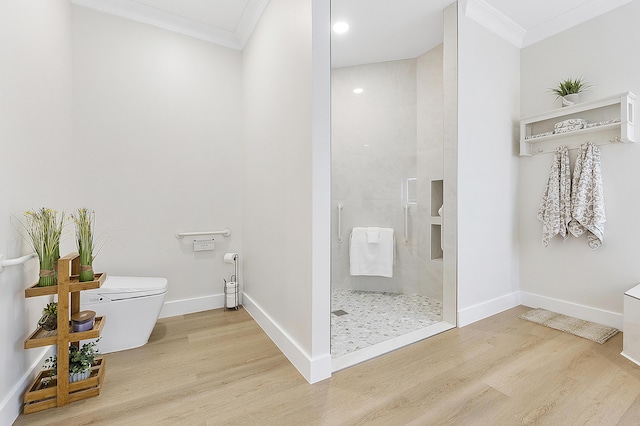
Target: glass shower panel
<point>386,151</point>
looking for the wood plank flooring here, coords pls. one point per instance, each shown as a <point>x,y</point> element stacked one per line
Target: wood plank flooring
<point>218,368</point>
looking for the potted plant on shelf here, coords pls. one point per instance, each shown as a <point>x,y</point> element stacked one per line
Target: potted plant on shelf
<point>80,361</point>
<point>49,319</point>
<point>84,220</point>
<point>569,89</point>
<point>44,227</point>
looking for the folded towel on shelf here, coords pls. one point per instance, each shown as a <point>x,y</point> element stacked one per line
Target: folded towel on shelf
<point>539,135</point>
<point>567,129</point>
<point>571,122</point>
<point>371,258</point>
<point>555,208</point>
<point>587,196</point>
<point>373,235</point>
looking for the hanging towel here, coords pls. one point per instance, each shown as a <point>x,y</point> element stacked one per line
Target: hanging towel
<point>373,235</point>
<point>555,208</point>
<point>371,258</point>
<point>587,196</point>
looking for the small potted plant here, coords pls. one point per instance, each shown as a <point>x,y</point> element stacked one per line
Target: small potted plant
<point>84,220</point>
<point>49,319</point>
<point>44,227</point>
<point>569,89</point>
<point>80,361</point>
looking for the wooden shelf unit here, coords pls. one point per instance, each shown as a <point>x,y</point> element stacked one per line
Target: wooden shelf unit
<point>48,392</point>
<point>619,108</point>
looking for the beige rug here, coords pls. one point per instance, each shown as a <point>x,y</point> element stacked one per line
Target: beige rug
<point>589,330</point>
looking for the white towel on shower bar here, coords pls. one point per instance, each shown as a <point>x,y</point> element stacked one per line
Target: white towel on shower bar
<point>370,258</point>
<point>373,235</point>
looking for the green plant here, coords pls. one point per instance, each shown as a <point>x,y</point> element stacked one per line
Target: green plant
<point>84,220</point>
<point>570,86</point>
<point>44,228</point>
<point>80,359</point>
<point>49,319</point>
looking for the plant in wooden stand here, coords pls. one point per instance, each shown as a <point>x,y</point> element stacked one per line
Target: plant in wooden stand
<point>569,89</point>
<point>49,319</point>
<point>44,228</point>
<point>80,361</point>
<point>84,220</point>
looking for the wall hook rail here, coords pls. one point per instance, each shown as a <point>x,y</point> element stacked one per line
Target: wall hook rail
<point>16,261</point>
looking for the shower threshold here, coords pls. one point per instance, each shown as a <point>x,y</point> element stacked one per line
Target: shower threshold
<point>370,352</point>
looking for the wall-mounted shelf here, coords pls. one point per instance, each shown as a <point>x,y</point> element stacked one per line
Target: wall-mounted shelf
<point>610,120</point>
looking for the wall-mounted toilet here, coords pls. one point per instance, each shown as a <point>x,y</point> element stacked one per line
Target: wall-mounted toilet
<point>131,306</point>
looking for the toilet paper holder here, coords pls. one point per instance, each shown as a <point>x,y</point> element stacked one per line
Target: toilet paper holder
<point>231,288</point>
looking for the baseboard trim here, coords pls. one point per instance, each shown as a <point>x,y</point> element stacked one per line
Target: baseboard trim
<point>629,358</point>
<point>587,313</point>
<point>312,369</point>
<point>188,306</point>
<point>486,309</point>
<point>11,405</point>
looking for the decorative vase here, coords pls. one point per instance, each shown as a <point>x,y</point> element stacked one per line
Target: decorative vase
<point>47,274</point>
<point>76,377</point>
<point>54,261</point>
<point>86,272</point>
<point>571,99</point>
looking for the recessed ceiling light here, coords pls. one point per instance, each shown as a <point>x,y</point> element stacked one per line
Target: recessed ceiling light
<point>340,27</point>
<point>358,90</point>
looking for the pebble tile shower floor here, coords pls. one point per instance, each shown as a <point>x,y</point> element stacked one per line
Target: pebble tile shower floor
<point>363,318</point>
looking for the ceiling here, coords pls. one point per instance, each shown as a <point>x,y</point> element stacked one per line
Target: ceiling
<point>380,30</point>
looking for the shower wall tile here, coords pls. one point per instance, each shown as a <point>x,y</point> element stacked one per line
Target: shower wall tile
<point>380,138</point>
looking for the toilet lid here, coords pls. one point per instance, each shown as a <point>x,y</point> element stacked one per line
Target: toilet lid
<point>118,288</point>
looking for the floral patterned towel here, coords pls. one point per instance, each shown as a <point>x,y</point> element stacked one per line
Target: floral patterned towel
<point>555,208</point>
<point>587,197</point>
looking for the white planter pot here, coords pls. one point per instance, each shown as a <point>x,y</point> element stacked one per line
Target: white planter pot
<point>79,376</point>
<point>571,99</point>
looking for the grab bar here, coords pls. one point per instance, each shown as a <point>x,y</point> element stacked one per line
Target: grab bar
<point>225,232</point>
<point>17,261</point>
<point>406,224</point>
<point>340,239</point>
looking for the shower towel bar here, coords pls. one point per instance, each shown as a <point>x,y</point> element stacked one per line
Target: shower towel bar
<point>340,239</point>
<point>17,261</point>
<point>225,232</point>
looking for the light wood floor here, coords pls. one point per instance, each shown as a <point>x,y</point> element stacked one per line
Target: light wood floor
<point>218,367</point>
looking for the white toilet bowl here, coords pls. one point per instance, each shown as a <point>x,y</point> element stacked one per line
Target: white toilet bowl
<point>131,306</point>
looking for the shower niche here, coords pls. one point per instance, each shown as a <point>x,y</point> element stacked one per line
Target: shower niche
<point>437,211</point>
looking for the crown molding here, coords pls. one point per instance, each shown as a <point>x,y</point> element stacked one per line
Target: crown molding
<point>491,18</point>
<point>571,18</point>
<point>141,13</point>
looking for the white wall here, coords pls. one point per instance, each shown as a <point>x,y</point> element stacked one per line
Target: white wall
<point>157,130</point>
<point>283,186</point>
<point>568,276</point>
<point>488,105</point>
<point>35,143</point>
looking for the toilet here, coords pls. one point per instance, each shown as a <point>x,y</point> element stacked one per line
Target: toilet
<point>131,306</point>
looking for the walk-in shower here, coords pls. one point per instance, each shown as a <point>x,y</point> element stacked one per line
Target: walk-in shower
<point>387,175</point>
